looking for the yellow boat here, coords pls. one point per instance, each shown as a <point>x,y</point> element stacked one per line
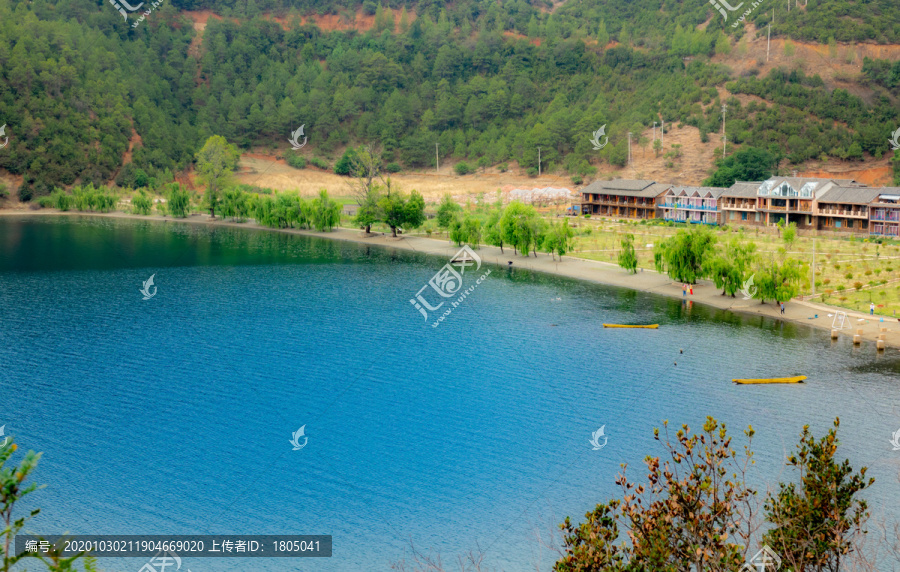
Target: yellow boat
<point>651,326</point>
<point>795,379</point>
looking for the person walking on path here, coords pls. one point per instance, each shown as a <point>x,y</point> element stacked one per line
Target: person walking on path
<point>872,309</point>
<point>782,307</point>
<point>684,290</point>
<point>692,289</point>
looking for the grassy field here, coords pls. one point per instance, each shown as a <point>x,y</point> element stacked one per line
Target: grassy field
<point>851,272</point>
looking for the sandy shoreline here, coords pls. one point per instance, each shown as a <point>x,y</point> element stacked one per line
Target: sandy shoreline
<point>705,292</point>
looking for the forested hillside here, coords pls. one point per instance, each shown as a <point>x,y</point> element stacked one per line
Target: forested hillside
<point>489,82</point>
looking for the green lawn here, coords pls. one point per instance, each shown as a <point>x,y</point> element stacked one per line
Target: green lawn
<point>841,263</point>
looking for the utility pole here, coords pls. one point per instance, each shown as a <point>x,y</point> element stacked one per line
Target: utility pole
<point>654,130</point>
<point>814,268</point>
<point>437,159</point>
<point>662,135</point>
<point>724,140</point>
<point>769,39</point>
<point>629,149</point>
<point>539,161</point>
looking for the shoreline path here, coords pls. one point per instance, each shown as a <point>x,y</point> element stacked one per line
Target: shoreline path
<point>705,292</point>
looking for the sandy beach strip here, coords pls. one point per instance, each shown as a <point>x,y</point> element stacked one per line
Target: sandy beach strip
<point>705,292</point>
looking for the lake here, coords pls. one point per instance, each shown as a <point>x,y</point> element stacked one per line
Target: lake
<point>174,415</point>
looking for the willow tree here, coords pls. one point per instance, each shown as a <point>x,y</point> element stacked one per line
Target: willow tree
<point>402,211</point>
<point>685,257</point>
<point>778,280</point>
<point>730,267</point>
<point>521,227</point>
<point>326,213</point>
<point>365,165</point>
<point>493,230</point>
<point>558,238</point>
<point>216,162</point>
<point>627,256</point>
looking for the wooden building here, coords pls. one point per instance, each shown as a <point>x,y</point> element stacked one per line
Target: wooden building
<point>691,204</point>
<point>622,199</point>
<point>884,213</point>
<point>737,205</point>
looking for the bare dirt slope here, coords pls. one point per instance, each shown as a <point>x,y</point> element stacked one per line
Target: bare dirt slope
<point>839,67</point>
<point>263,171</point>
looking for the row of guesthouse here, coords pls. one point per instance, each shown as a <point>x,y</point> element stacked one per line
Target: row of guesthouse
<point>836,205</point>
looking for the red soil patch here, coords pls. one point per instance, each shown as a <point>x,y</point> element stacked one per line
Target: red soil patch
<point>135,139</point>
<point>327,22</point>
<point>510,34</point>
<point>840,68</point>
<point>880,176</point>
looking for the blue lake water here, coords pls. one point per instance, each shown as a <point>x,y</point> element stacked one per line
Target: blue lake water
<point>173,415</point>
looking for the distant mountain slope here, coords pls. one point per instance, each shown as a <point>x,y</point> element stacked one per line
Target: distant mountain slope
<point>489,83</point>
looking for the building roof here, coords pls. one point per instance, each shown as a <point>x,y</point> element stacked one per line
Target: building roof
<point>627,188</point>
<point>798,182</point>
<point>742,189</point>
<point>702,191</point>
<point>850,195</point>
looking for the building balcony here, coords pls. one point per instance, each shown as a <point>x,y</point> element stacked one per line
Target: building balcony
<point>842,212</point>
<point>892,216</point>
<point>679,206</point>
<point>740,206</point>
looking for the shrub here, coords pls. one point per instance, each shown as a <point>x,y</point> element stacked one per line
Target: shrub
<point>462,168</point>
<point>45,202</point>
<point>141,204</point>
<point>841,288</point>
<point>25,193</point>
<point>827,281</point>
<point>868,272</point>
<point>577,180</point>
<point>393,168</point>
<point>345,163</point>
<point>848,276</point>
<point>320,163</point>
<point>857,285</point>
<point>296,161</point>
<point>106,202</point>
<point>61,200</point>
<point>503,167</point>
<point>837,266</point>
<point>532,172</point>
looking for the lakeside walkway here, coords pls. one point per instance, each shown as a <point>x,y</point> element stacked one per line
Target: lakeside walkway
<point>705,292</point>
